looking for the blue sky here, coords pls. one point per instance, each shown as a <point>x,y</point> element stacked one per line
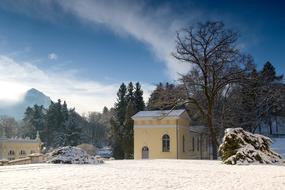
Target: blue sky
<point>81,51</point>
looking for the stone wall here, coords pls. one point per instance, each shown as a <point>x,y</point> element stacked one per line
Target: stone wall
<point>31,159</point>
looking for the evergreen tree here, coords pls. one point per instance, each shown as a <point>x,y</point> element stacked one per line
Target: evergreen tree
<point>72,129</point>
<point>128,132</point>
<point>130,94</point>
<point>33,121</point>
<point>121,104</point>
<point>129,102</point>
<point>268,73</point>
<point>64,111</point>
<point>165,97</point>
<point>118,122</point>
<point>138,98</point>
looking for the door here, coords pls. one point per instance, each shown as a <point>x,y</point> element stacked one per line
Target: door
<point>145,152</point>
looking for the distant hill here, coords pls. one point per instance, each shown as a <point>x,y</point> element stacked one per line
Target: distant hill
<point>32,97</point>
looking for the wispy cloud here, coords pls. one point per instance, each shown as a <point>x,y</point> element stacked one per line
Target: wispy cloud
<point>52,56</point>
<point>85,95</point>
<point>154,27</point>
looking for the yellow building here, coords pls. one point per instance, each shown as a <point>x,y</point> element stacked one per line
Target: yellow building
<point>16,148</point>
<point>168,134</point>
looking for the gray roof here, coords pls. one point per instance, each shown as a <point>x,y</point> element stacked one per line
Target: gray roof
<point>158,113</point>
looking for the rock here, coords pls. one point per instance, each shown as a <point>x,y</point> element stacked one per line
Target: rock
<point>242,147</point>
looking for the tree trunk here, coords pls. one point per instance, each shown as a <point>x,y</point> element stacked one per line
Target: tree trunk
<point>212,133</point>
<point>215,151</point>
<point>276,125</point>
<point>270,126</point>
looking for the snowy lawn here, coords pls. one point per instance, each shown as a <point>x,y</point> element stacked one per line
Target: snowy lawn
<point>144,174</point>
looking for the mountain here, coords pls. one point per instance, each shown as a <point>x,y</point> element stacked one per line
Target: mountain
<point>32,97</point>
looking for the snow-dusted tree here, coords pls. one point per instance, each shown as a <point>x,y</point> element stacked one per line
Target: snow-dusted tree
<point>8,127</point>
<point>216,62</point>
<point>33,121</point>
<point>259,98</point>
<point>72,129</point>
<point>165,96</point>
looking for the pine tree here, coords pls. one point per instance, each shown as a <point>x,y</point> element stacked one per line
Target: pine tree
<point>121,104</point>
<point>118,122</point>
<point>129,101</point>
<point>130,93</point>
<point>138,98</point>
<point>268,73</point>
<point>165,97</point>
<point>34,120</point>
<point>128,132</point>
<point>72,129</point>
<point>270,93</point>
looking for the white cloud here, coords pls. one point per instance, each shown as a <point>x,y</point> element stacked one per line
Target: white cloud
<point>156,28</point>
<point>52,56</point>
<point>85,95</point>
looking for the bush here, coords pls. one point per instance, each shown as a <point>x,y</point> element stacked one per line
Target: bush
<point>242,147</point>
<point>71,155</point>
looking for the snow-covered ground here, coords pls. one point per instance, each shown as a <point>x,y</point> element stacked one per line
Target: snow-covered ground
<point>144,174</point>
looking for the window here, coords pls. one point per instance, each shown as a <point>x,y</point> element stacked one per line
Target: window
<point>183,143</point>
<point>11,152</point>
<point>193,143</point>
<point>198,144</point>
<point>165,143</point>
<point>22,152</point>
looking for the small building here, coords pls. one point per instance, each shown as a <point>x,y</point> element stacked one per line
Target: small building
<point>168,134</point>
<point>16,148</point>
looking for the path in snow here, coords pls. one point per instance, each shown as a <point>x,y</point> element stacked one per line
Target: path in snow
<point>144,174</point>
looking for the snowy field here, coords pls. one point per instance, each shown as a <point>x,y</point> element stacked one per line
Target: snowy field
<point>144,174</point>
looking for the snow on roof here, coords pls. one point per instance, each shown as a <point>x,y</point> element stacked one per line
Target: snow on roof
<point>158,113</point>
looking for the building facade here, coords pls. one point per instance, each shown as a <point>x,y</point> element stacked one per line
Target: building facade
<point>168,135</point>
<point>16,148</point>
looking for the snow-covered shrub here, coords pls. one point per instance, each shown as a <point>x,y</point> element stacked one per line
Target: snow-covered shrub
<point>242,147</point>
<point>71,155</point>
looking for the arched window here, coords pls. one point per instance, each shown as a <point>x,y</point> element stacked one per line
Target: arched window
<point>198,143</point>
<point>11,152</point>
<point>165,143</point>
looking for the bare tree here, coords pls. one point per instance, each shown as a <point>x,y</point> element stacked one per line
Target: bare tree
<point>216,62</point>
<point>8,126</point>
